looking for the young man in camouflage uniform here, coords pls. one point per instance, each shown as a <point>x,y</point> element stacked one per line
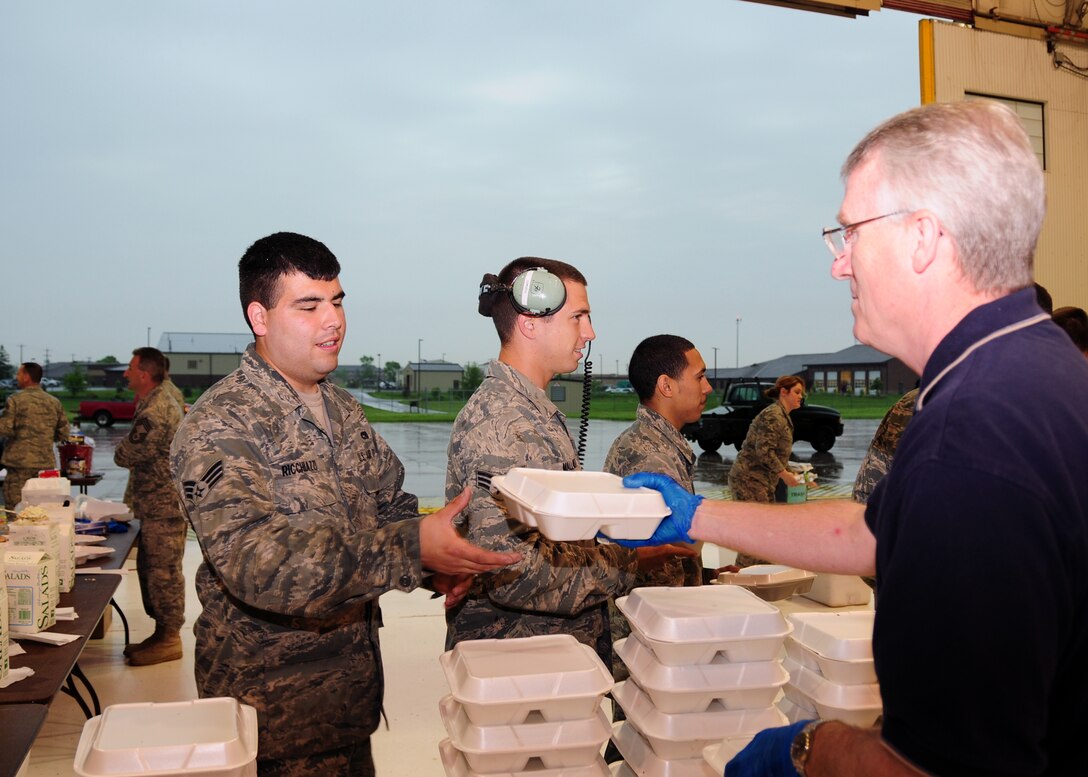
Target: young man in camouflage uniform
<point>32,421</point>
<point>558,587</point>
<point>303,523</point>
<point>145,452</point>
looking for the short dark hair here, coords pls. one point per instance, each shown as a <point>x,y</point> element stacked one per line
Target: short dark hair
<point>152,362</point>
<point>33,371</point>
<point>1075,323</point>
<point>269,259</point>
<point>500,306</point>
<point>1042,296</point>
<point>656,356</point>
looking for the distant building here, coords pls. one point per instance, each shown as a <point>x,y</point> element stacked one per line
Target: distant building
<point>199,359</point>
<point>96,373</point>
<point>856,370</point>
<point>430,375</point>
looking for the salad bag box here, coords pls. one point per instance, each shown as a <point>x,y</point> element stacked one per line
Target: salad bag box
<point>54,536</point>
<point>30,576</point>
<point>5,661</point>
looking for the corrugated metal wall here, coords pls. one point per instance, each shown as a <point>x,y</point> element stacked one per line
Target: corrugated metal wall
<point>970,61</point>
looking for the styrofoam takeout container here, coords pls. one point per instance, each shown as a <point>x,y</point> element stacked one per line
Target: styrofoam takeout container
<point>684,735</point>
<point>839,590</point>
<point>641,759</point>
<point>844,636</point>
<point>569,506</point>
<point>700,613</point>
<point>717,756</point>
<point>692,688</point>
<point>504,681</point>
<point>858,671</point>
<point>214,737</point>
<point>556,745</point>
<point>795,709</point>
<point>770,582</point>
<point>453,761</point>
<point>858,705</point>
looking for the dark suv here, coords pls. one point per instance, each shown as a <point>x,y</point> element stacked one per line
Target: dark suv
<point>814,424</point>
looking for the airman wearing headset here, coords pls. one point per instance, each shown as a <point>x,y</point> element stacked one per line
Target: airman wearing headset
<point>541,312</point>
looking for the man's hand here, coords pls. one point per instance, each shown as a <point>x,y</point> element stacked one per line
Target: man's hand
<point>768,755</point>
<point>443,549</point>
<point>682,503</point>
<point>650,559</point>
<point>454,587</point>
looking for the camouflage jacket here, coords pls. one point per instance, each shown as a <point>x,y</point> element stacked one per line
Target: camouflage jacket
<point>558,587</point>
<point>652,444</point>
<point>300,535</point>
<point>878,458</point>
<point>175,393</point>
<point>145,452</point>
<point>32,421</point>
<point>765,453</point>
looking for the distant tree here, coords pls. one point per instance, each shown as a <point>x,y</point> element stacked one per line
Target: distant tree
<point>75,381</point>
<point>108,360</point>
<point>390,370</point>
<point>473,377</point>
<point>6,368</point>
<point>369,373</point>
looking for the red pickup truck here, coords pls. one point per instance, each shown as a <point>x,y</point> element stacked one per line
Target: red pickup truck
<point>106,412</point>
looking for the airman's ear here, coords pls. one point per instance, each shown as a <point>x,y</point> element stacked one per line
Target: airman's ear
<point>258,318</point>
<point>526,326</point>
<point>665,385</point>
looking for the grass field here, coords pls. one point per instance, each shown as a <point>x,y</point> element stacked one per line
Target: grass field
<point>605,407</point>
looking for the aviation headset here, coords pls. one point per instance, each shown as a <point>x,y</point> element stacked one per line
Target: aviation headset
<point>534,292</point>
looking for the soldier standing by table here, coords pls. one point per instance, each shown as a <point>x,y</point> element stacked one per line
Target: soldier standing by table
<point>32,422</point>
<point>161,544</point>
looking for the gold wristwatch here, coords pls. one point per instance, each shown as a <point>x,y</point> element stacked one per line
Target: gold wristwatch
<point>801,748</point>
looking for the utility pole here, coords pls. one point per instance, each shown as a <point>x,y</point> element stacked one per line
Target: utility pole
<point>715,364</point>
<point>738,342</point>
<point>419,368</point>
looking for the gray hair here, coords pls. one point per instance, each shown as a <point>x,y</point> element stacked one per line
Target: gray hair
<point>971,163</point>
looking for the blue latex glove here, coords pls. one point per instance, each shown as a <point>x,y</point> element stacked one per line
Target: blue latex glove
<point>768,755</point>
<point>682,503</point>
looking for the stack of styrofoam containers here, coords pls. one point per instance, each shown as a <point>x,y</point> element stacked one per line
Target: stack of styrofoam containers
<point>215,737</point>
<point>705,666</point>
<point>530,705</point>
<point>830,660</point>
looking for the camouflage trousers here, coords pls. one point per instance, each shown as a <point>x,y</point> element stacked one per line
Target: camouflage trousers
<point>351,761</point>
<point>13,485</point>
<point>750,490</point>
<point>161,547</point>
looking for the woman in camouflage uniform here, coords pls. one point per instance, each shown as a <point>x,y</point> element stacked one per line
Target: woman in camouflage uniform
<point>764,458</point>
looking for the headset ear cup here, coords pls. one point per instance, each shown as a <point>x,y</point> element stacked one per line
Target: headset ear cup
<point>537,292</point>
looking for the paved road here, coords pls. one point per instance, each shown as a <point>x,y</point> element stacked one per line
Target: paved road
<point>422,449</point>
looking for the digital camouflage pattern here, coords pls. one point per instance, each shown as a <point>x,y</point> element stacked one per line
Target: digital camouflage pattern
<point>145,452</point>
<point>765,453</point>
<point>300,535</point>
<point>652,444</point>
<point>557,587</point>
<point>32,422</point>
<point>878,458</point>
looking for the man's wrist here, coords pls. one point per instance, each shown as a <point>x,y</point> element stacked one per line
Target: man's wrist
<point>801,747</point>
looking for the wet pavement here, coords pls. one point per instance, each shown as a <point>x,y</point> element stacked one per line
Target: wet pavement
<point>422,449</point>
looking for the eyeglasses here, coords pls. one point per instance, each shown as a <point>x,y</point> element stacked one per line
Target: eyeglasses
<point>839,237</point>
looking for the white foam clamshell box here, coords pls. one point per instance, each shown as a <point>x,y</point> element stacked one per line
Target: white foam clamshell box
<point>504,681</point>
<point>692,688</point>
<point>858,705</point>
<point>843,636</point>
<point>858,671</point>
<point>211,737</point>
<point>770,582</point>
<point>640,759</point>
<point>556,745</point>
<point>453,761</point>
<point>684,735</point>
<point>717,756</point>
<point>839,590</point>
<point>569,506</point>
<point>795,711</point>
<point>693,625</point>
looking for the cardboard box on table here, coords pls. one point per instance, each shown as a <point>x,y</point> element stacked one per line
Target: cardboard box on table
<point>30,578</point>
<point>5,662</point>
<point>56,537</point>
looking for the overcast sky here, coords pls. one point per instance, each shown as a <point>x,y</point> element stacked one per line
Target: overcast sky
<point>684,155</point>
